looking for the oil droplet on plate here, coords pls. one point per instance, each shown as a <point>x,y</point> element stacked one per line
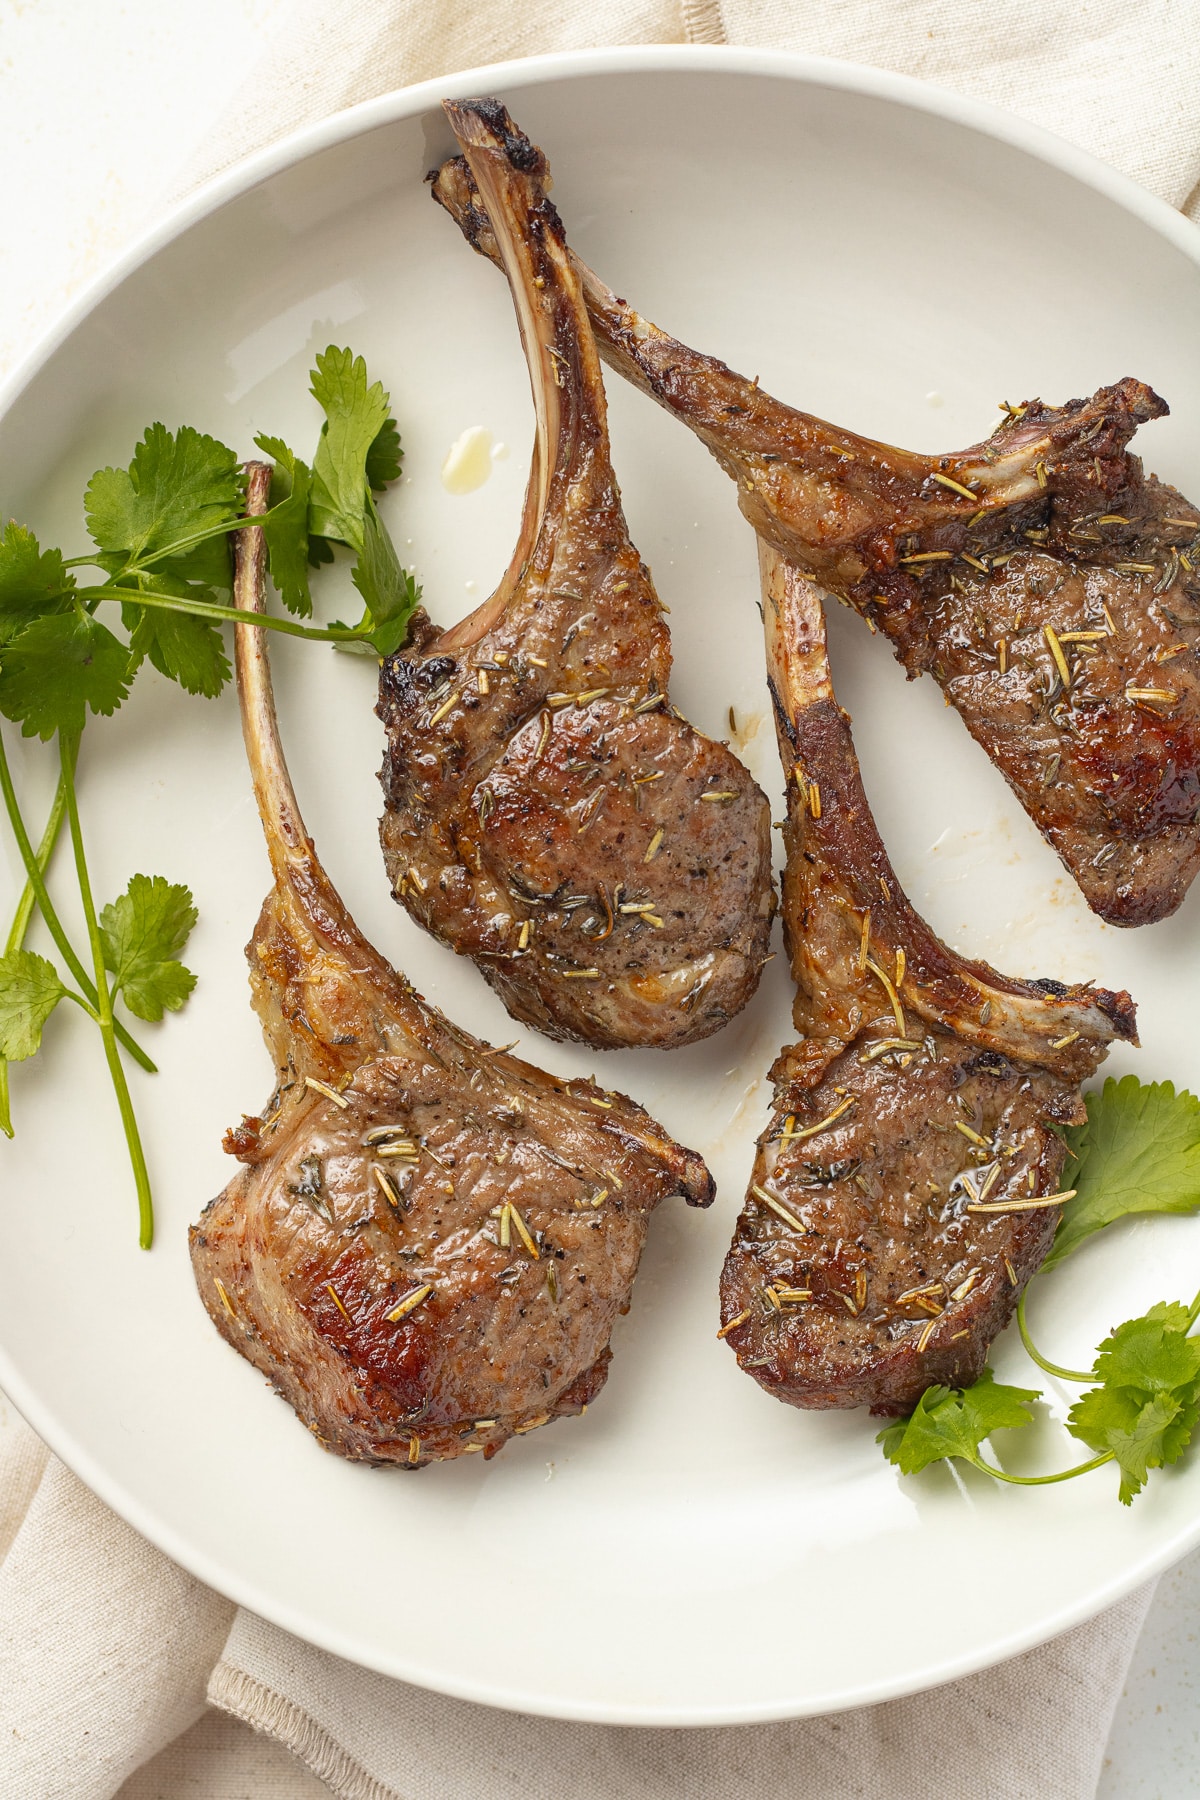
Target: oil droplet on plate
<point>468,461</point>
<point>933,398</point>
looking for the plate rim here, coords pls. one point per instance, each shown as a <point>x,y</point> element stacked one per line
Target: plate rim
<point>232,184</point>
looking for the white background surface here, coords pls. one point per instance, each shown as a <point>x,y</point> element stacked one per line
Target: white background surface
<point>101,108</point>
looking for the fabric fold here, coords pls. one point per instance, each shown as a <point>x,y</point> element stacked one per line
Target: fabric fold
<point>105,1645</point>
<point>1038,1724</point>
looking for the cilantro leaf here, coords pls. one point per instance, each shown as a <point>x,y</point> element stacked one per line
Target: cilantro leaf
<point>389,591</point>
<point>178,484</point>
<point>182,647</point>
<point>56,668</point>
<point>948,1422</point>
<point>1139,1152</point>
<point>1148,1402</point>
<point>29,992</point>
<point>355,415</point>
<point>384,457</point>
<point>1153,1352</point>
<point>358,452</point>
<point>1142,1434</point>
<point>142,933</point>
<point>33,581</point>
<point>286,532</point>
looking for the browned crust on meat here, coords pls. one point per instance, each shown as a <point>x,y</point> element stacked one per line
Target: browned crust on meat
<point>924,1088</point>
<point>964,561</point>
<point>302,1262</point>
<point>429,1240</point>
<point>549,813</point>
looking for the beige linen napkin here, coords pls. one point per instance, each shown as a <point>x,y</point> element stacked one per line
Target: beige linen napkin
<point>1120,80</point>
<point>105,1647</point>
<point>107,1650</point>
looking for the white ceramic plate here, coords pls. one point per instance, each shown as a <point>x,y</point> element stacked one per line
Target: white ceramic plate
<point>691,1551</point>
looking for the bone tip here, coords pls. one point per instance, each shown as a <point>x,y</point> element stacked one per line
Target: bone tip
<point>701,1189</point>
<point>484,123</point>
<point>258,486</point>
<point>1121,1012</point>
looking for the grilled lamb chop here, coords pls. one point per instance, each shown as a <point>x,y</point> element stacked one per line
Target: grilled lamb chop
<point>549,813</point>
<point>907,1186</point>
<point>430,1240</point>
<point>1048,584</point>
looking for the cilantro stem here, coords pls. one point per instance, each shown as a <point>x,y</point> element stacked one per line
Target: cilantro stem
<point>35,881</point>
<point>45,850</point>
<point>20,926</point>
<point>68,749</point>
<point>321,634</point>
<point>977,1462</point>
<point>165,552</point>
<point>1193,1312</point>
<point>86,1006</point>
<point>1031,1349</point>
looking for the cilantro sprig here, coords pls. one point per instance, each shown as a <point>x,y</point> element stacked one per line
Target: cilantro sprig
<point>71,649</point>
<point>1138,1152</point>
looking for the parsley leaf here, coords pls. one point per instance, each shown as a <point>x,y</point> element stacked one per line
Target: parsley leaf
<point>33,581</point>
<point>286,531</point>
<point>29,992</point>
<point>178,484</point>
<point>355,415</point>
<point>948,1422</point>
<point>1149,1401</point>
<point>56,668</point>
<point>142,933</point>
<point>1138,1152</point>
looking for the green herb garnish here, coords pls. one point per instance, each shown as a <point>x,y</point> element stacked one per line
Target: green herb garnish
<point>949,1422</point>
<point>160,534</point>
<point>1139,1152</point>
<point>1146,1406</point>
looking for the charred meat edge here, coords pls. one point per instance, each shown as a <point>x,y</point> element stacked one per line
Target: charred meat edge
<point>416,1309</point>
<point>902,1194</point>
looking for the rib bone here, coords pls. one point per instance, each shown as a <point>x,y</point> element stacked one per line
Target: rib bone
<point>1048,585</point>
<point>549,813</point>
<point>430,1241</point>
<point>924,1088</point>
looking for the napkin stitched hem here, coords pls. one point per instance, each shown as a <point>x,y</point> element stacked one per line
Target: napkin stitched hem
<point>273,1714</point>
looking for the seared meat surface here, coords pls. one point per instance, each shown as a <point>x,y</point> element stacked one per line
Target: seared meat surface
<point>429,1241</point>
<point>904,1190</point>
<point>548,812</point>
<point>1048,584</point>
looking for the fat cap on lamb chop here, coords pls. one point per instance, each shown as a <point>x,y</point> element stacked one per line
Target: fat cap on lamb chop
<point>905,1189</point>
<point>548,812</point>
<point>1048,584</point>
<point>429,1241</point>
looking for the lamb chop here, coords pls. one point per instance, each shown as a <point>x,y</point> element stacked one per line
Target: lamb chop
<point>908,1184</point>
<point>1048,584</point>
<point>548,812</point>
<point>430,1240</point>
